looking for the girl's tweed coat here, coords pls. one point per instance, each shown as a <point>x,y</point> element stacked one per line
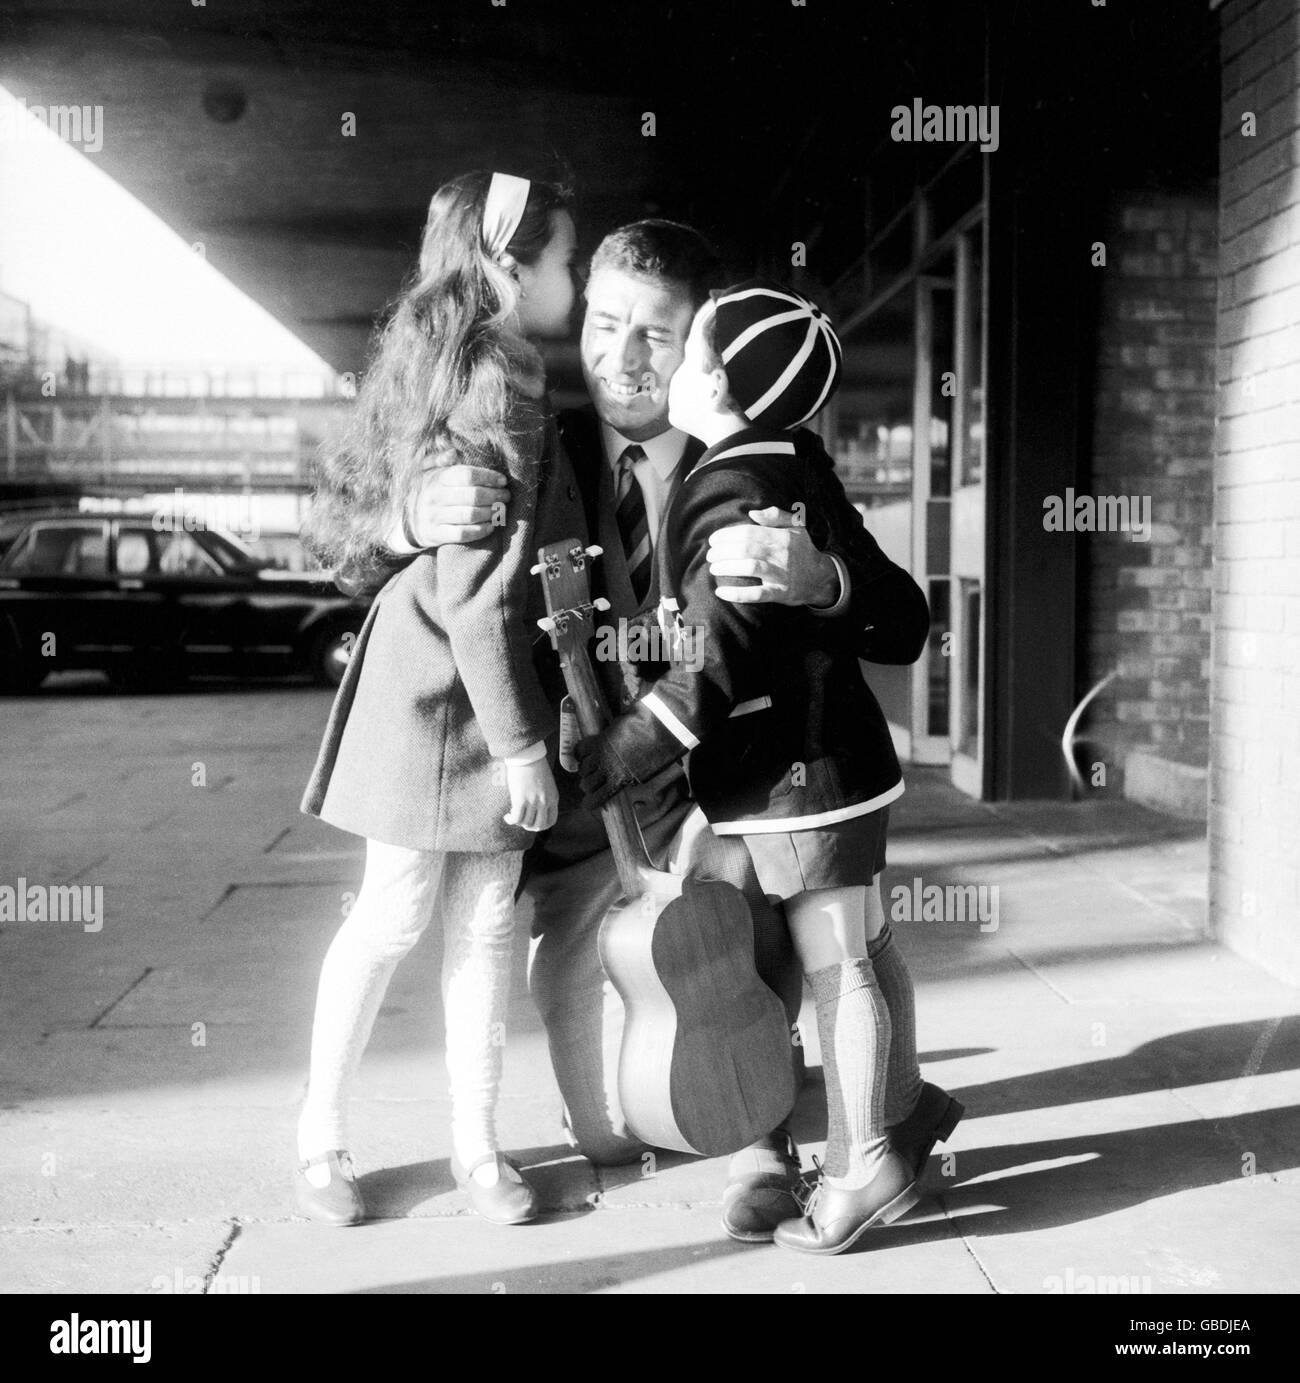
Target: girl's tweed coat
<point>441,684</point>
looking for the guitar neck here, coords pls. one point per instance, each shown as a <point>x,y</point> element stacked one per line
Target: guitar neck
<point>620,820</point>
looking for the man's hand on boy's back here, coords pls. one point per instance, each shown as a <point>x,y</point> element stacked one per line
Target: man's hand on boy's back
<point>455,505</point>
<point>778,560</point>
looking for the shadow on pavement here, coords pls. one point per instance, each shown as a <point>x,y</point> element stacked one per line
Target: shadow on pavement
<point>1107,1172</point>
<point>564,1182</point>
<point>1002,1190</point>
<point>1199,1056</point>
<point>573,1275</point>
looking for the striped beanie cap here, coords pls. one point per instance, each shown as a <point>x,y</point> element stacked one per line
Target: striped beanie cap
<point>779,350</point>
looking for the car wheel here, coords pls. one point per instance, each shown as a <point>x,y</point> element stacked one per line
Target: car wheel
<point>19,676</point>
<point>148,670</point>
<point>330,654</point>
<point>19,672</point>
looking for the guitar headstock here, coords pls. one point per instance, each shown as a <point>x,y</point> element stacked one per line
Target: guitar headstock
<point>565,585</point>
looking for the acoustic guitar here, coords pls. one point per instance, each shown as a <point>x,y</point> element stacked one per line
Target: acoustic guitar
<point>706,1064</point>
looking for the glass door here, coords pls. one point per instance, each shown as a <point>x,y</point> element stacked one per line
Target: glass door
<point>907,434</point>
<point>948,509</point>
<point>868,430</point>
<point>967,528</point>
<point>932,425</point>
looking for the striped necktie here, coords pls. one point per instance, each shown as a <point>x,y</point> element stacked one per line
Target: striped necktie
<point>633,526</point>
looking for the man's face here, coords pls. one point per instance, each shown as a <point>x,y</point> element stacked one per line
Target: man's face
<point>633,338</point>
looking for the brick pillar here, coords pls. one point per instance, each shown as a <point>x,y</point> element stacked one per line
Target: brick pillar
<point>1149,602</point>
<point>1255,674</point>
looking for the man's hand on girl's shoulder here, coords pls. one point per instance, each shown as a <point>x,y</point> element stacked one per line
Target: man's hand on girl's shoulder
<point>456,504</point>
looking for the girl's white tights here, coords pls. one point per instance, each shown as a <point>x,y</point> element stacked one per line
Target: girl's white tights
<point>402,890</point>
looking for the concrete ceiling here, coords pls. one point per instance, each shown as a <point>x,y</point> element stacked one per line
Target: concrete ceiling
<point>227,120</point>
<point>226,117</point>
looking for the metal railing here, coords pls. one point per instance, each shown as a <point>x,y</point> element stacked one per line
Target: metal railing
<point>155,439</point>
<point>251,382</point>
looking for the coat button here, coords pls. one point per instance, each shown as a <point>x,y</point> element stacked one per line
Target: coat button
<point>573,494</point>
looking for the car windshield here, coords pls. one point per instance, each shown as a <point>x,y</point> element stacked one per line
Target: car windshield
<point>230,552</point>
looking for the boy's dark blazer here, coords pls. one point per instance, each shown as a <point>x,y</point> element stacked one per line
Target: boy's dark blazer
<point>783,732</point>
<point>887,619</point>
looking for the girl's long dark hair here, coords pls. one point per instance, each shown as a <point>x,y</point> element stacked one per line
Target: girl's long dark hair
<point>440,370</point>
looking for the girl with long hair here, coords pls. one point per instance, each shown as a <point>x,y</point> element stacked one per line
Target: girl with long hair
<point>435,748</point>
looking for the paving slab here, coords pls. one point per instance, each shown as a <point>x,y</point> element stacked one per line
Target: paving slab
<point>104,1166</point>
<point>1132,1111</point>
<point>112,1167</point>
<point>89,1260</point>
<point>151,1069</point>
<point>1163,1209</point>
<point>651,1250</point>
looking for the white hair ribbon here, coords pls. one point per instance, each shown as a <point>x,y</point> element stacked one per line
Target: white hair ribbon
<point>502,211</point>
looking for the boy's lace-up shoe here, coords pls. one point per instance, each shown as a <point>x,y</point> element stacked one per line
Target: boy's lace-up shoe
<point>835,1218</point>
<point>932,1121</point>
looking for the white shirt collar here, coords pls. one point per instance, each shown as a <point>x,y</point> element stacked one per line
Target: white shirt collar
<point>663,452</point>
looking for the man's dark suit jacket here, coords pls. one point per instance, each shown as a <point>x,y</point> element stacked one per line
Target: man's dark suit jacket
<point>887,619</point>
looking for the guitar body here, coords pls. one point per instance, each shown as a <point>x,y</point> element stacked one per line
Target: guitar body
<point>706,1064</point>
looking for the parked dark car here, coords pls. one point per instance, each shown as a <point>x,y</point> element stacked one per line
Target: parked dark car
<point>148,606</point>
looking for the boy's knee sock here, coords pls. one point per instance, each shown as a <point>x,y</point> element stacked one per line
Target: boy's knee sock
<point>853,1024</point>
<point>903,1083</point>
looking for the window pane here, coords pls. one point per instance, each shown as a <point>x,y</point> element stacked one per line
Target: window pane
<point>972,451</point>
<point>969,729</point>
<point>869,426</point>
<point>940,656</point>
<point>942,390</point>
<point>180,555</point>
<point>134,557</point>
<point>144,551</point>
<point>53,550</point>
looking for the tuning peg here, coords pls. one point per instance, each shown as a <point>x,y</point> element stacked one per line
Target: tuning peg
<point>600,603</point>
<point>534,571</point>
<point>548,624</point>
<point>594,551</point>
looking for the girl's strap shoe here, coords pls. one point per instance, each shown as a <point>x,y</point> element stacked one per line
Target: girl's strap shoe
<point>512,1201</point>
<point>339,1201</point>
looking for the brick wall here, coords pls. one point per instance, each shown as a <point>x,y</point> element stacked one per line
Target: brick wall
<point>1255,680</point>
<point>1148,603</point>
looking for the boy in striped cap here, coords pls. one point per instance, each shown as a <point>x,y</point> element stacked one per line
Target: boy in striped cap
<point>788,747</point>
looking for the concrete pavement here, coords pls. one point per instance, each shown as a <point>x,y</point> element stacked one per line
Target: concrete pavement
<point>1134,1108</point>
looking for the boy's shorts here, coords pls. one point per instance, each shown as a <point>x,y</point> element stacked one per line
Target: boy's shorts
<point>837,856</point>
